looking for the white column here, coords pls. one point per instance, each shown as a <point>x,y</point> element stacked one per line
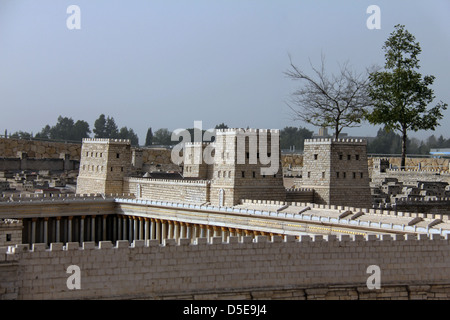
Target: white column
<point>45,230</point>
<point>93,228</point>
<point>135,228</point>
<point>104,227</point>
<point>69,229</point>
<point>114,233</point>
<point>82,229</point>
<point>124,228</point>
<point>176,232</point>
<point>152,228</point>
<point>209,232</point>
<point>224,234</point>
<point>33,230</point>
<point>182,230</point>
<point>188,231</point>
<point>164,225</point>
<point>141,228</point>
<point>130,229</point>
<point>158,229</point>
<point>169,230</point>
<point>58,229</point>
<point>147,229</point>
<point>119,228</point>
<point>195,228</point>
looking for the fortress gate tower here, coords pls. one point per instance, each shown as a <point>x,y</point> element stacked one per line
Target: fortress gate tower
<point>103,165</point>
<point>337,170</point>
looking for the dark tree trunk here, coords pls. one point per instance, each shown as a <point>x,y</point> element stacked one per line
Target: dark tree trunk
<point>404,138</point>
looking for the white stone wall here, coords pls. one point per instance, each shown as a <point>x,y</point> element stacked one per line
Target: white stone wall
<point>168,190</point>
<point>151,270</point>
<point>337,170</point>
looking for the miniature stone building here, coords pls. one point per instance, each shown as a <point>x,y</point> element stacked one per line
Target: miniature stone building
<point>337,170</point>
<point>103,165</point>
<point>236,171</point>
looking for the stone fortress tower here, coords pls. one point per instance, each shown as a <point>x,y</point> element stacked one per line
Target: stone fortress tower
<point>337,170</point>
<point>194,164</point>
<point>235,170</point>
<point>103,165</point>
<point>245,167</point>
<point>235,167</point>
<point>242,164</point>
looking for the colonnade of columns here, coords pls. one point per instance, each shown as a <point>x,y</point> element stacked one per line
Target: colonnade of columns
<point>67,229</point>
<point>121,227</point>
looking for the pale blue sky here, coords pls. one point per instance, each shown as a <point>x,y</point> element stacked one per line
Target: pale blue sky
<point>164,64</point>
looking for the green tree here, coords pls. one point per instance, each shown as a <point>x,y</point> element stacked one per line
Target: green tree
<point>62,130</point>
<point>163,137</point>
<point>149,137</point>
<point>80,130</point>
<point>125,133</point>
<point>293,136</point>
<point>100,127</point>
<point>400,95</point>
<point>21,135</point>
<point>44,133</point>
<point>221,126</point>
<point>111,129</point>
<point>65,129</point>
<point>386,142</point>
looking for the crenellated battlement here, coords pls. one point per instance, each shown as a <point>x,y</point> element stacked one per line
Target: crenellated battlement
<point>416,170</point>
<point>426,199</point>
<point>107,141</point>
<point>197,143</point>
<point>295,189</point>
<point>331,240</point>
<point>336,141</point>
<point>10,222</point>
<point>169,181</point>
<point>245,131</point>
<point>148,269</point>
<point>62,197</point>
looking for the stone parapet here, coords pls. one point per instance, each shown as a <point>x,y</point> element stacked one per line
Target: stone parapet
<point>336,141</point>
<point>146,269</point>
<point>102,140</point>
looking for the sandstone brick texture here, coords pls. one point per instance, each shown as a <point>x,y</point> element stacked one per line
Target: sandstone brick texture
<point>311,268</point>
<point>337,171</point>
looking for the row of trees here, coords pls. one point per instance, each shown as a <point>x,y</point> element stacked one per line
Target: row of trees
<point>292,138</point>
<point>389,142</point>
<point>67,129</point>
<point>396,97</point>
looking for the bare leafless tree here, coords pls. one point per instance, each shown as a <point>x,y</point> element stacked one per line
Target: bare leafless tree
<point>336,101</point>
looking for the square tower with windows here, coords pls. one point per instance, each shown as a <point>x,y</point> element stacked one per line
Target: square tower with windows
<point>337,170</point>
<point>247,165</point>
<point>194,163</point>
<point>103,165</point>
